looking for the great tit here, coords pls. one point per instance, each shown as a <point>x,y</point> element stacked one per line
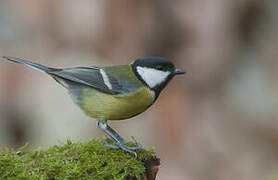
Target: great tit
<point>113,92</point>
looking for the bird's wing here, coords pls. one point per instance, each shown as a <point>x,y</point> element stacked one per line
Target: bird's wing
<point>89,76</point>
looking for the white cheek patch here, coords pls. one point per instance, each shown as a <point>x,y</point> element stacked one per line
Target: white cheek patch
<point>152,77</point>
<point>105,79</point>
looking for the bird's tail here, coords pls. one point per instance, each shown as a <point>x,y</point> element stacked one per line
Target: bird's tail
<point>30,64</point>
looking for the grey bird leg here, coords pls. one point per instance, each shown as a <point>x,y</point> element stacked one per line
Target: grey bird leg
<point>102,124</point>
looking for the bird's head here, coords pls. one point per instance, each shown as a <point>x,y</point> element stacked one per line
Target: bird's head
<point>155,72</point>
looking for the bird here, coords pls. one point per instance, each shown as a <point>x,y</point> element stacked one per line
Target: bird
<point>113,92</point>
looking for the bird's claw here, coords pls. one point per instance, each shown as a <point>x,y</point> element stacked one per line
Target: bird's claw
<point>125,148</point>
<point>111,146</point>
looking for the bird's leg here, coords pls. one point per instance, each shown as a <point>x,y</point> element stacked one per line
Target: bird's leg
<point>102,124</point>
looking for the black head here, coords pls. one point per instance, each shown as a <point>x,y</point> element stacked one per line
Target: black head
<point>155,72</point>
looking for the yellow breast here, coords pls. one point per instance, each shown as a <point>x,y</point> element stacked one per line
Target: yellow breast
<point>115,107</point>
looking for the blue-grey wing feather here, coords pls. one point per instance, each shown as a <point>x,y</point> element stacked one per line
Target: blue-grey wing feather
<point>89,76</point>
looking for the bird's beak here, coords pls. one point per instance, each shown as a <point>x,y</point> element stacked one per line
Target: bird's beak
<point>179,71</point>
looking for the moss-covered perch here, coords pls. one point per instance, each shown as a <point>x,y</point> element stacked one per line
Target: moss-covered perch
<point>88,160</point>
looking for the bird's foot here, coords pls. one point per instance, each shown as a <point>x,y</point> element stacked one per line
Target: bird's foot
<point>108,140</point>
<point>124,147</point>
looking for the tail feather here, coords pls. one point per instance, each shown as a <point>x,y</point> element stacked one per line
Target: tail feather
<point>30,64</point>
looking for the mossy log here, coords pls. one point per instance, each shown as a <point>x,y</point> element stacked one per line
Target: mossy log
<point>79,160</point>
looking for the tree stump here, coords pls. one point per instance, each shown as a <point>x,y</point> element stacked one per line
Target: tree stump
<point>80,160</point>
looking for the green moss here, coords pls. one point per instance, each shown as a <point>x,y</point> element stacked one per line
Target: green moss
<point>88,160</point>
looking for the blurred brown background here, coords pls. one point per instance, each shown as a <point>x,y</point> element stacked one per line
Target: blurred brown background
<point>218,122</point>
